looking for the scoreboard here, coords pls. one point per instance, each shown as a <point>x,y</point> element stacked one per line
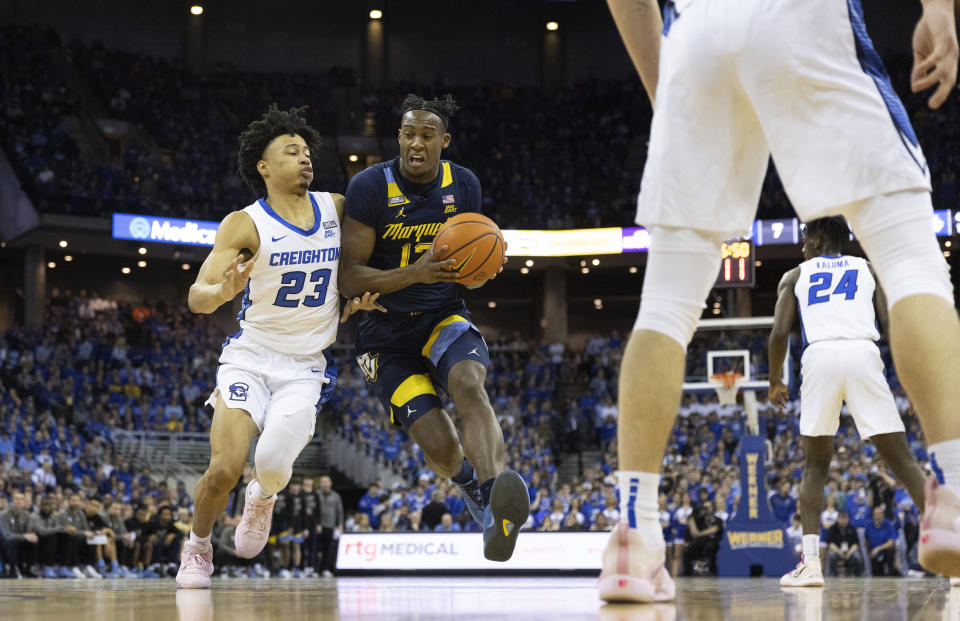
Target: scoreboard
<point>737,265</point>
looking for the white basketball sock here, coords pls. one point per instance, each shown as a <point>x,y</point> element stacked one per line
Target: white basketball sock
<point>255,492</point>
<point>195,539</point>
<point>811,548</point>
<point>638,504</point>
<point>945,461</point>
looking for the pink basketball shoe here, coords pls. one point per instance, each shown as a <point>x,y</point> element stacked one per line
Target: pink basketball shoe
<point>196,566</point>
<point>254,528</point>
<point>939,550</point>
<point>632,572</point>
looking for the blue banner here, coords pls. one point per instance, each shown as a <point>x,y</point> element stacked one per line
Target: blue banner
<point>633,239</point>
<point>752,537</point>
<point>164,230</point>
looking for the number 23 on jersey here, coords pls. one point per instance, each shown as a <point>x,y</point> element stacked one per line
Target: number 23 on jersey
<point>293,283</point>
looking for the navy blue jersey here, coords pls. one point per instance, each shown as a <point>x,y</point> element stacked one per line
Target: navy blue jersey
<point>406,217</point>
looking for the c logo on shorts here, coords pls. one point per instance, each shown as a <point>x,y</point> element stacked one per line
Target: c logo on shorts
<point>369,365</point>
<point>238,391</point>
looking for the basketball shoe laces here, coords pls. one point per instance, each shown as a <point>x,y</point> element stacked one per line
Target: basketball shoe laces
<point>197,557</point>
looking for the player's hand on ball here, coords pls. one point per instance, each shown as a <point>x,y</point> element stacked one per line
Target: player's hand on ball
<point>235,278</point>
<point>367,302</point>
<point>935,52</point>
<point>777,395</point>
<point>505,259</point>
<point>431,269</point>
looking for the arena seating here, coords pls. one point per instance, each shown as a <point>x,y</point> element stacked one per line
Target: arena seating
<point>561,160</point>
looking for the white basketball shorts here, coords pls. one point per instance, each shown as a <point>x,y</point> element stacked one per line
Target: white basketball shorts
<point>801,79</point>
<point>851,371</point>
<point>264,382</point>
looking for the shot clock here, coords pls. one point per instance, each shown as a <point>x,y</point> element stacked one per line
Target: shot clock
<point>737,265</point>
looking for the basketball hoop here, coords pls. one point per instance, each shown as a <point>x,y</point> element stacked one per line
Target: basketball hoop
<point>726,385</point>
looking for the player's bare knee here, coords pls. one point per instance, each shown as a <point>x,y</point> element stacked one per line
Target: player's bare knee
<point>466,384</point>
<point>446,465</point>
<point>815,470</point>
<point>220,477</point>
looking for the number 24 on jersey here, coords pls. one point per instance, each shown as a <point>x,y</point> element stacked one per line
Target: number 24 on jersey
<point>820,282</point>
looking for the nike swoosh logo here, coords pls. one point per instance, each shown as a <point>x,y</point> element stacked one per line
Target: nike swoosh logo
<point>277,238</point>
<point>317,370</point>
<point>457,268</point>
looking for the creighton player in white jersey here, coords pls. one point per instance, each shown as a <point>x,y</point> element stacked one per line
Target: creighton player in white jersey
<point>283,253</point>
<point>840,306</point>
<point>734,82</point>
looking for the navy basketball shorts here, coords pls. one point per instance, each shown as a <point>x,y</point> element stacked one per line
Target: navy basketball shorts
<point>406,360</point>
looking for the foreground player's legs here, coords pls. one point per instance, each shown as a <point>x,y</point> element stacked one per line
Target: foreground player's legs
<point>894,230</point>
<point>506,501</point>
<point>681,268</point>
<point>482,437</point>
<point>230,436</point>
<point>817,451</point>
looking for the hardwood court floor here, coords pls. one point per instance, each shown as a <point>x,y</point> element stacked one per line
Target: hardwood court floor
<point>489,599</point>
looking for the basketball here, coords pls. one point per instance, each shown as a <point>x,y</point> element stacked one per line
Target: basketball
<point>477,245</point>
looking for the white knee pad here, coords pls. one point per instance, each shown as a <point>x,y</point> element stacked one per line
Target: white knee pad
<point>682,267</point>
<point>895,232</point>
<point>283,437</point>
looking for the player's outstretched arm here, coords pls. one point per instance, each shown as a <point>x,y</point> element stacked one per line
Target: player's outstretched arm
<point>223,273</point>
<point>779,342</point>
<point>640,24</point>
<point>935,51</point>
<point>356,276</point>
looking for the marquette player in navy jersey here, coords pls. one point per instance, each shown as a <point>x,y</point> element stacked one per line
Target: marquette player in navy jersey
<point>840,305</point>
<point>732,83</point>
<point>283,252</point>
<point>425,339</point>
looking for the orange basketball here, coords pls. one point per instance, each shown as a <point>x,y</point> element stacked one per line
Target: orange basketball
<point>476,243</point>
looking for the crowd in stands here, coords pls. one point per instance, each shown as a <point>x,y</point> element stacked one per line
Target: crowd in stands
<point>99,365</point>
<point>516,139</point>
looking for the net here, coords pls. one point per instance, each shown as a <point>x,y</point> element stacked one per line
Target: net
<point>726,386</point>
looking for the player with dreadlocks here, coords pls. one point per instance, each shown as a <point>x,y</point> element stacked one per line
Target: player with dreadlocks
<point>283,252</point>
<point>840,304</point>
<point>425,339</point>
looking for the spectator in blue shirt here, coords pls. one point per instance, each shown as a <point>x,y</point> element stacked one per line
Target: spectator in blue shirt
<point>6,444</point>
<point>26,462</point>
<point>881,537</point>
<point>783,504</point>
<point>370,500</point>
<point>454,502</point>
<point>447,525</point>
<point>858,509</point>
